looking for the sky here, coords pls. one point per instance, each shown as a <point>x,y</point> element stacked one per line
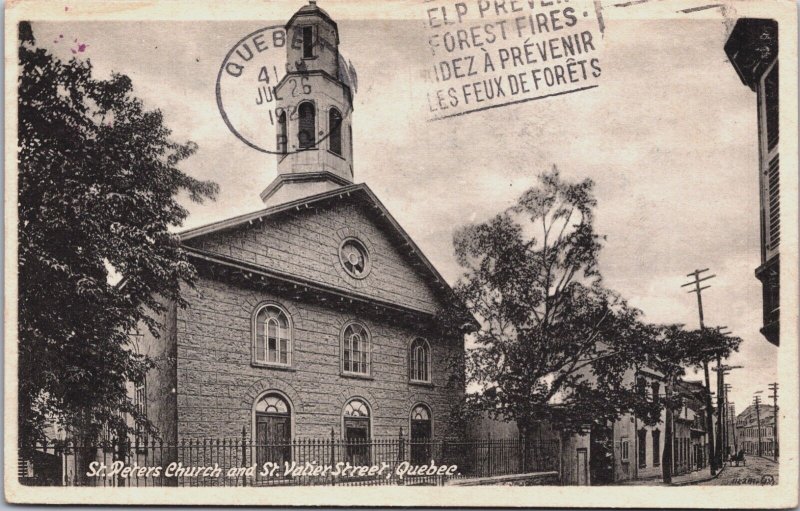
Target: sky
<point>669,137</point>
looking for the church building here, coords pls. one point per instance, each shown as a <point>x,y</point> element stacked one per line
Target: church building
<point>315,315</point>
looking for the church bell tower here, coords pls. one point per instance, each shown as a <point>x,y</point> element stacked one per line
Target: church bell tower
<point>314,106</point>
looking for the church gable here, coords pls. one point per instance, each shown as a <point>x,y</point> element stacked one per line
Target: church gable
<point>337,244</point>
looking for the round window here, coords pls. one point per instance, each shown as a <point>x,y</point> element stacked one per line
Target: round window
<point>354,258</point>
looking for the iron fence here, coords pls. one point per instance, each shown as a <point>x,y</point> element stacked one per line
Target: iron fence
<point>303,461</point>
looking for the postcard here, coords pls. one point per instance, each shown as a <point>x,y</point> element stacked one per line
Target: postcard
<point>402,253</point>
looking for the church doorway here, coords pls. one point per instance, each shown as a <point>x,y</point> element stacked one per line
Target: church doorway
<point>421,431</point>
<point>356,432</point>
<point>273,430</point>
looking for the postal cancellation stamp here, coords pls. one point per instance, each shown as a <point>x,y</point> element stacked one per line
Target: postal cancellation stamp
<point>486,54</point>
<point>453,253</point>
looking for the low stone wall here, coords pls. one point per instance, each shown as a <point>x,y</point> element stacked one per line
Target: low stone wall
<point>529,479</point>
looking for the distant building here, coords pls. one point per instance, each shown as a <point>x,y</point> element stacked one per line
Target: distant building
<point>568,453</point>
<point>754,426</point>
<point>752,48</point>
<point>693,421</point>
<point>631,449</point>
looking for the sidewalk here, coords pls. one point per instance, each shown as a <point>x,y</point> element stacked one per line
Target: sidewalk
<point>698,476</point>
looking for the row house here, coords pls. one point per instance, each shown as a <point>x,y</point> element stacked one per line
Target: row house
<point>755,430</point>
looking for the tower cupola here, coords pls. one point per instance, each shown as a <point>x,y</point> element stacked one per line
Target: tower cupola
<point>314,106</point>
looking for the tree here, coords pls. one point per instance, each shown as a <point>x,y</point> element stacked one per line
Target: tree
<point>98,181</point>
<point>672,350</point>
<point>552,342</point>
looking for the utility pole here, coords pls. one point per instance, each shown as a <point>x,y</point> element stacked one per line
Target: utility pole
<point>669,432</point>
<point>709,411</point>
<point>733,425</point>
<point>722,408</point>
<point>726,387</point>
<point>774,388</point>
<point>757,402</point>
<point>720,404</point>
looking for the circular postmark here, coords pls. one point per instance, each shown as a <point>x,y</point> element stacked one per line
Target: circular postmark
<point>258,92</point>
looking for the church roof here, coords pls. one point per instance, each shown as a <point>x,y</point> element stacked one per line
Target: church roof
<point>345,193</point>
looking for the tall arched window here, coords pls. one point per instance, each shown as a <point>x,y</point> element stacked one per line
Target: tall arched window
<point>356,418</point>
<point>281,142</point>
<point>308,124</point>
<point>420,361</point>
<point>273,336</point>
<point>335,127</point>
<point>355,349</point>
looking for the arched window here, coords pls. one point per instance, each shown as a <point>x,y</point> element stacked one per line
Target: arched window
<point>273,424</point>
<point>356,408</point>
<point>356,418</point>
<point>281,142</point>
<point>272,404</point>
<point>308,124</point>
<point>273,336</point>
<point>420,361</point>
<point>355,349</point>
<point>308,41</point>
<point>335,128</point>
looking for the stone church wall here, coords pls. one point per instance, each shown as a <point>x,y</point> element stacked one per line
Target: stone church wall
<point>306,244</point>
<point>217,385</point>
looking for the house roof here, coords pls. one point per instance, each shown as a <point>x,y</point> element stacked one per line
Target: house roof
<point>764,410</point>
<point>356,192</point>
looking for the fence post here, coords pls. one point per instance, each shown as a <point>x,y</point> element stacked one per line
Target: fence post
<point>489,462</point>
<point>244,455</point>
<point>401,446</point>
<point>122,448</point>
<point>333,454</point>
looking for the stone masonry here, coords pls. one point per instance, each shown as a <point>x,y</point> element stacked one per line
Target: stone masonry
<point>216,383</point>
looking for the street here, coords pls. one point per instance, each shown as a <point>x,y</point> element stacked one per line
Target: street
<point>758,471</point>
